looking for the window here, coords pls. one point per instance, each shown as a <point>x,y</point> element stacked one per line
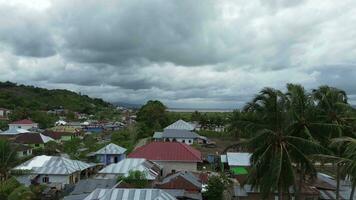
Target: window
<point>173,171</point>
<point>24,153</point>
<point>183,141</point>
<point>45,179</point>
<point>190,141</point>
<point>37,145</point>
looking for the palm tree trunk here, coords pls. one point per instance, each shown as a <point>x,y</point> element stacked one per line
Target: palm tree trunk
<point>353,190</point>
<point>280,193</point>
<point>337,181</point>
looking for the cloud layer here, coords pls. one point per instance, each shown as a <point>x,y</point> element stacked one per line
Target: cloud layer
<point>185,53</point>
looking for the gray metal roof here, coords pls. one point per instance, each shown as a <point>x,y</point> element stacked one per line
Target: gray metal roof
<point>186,175</point>
<point>129,194</point>
<point>180,125</point>
<point>174,133</point>
<point>75,197</point>
<point>87,186</point>
<point>111,149</point>
<point>123,167</point>
<point>157,135</point>
<point>53,165</point>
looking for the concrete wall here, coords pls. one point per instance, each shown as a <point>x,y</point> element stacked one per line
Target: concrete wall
<point>23,126</point>
<point>168,166</point>
<point>21,154</point>
<point>188,141</point>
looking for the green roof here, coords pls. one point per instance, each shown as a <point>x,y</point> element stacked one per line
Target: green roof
<point>239,171</point>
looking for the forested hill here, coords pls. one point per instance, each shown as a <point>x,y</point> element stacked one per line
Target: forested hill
<point>14,96</point>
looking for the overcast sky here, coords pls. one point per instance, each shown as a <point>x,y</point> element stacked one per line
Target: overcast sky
<point>186,53</point>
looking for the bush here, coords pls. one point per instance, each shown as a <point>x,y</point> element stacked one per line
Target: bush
<point>22,193</point>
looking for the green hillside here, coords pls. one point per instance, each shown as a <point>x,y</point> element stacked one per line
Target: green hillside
<point>14,96</point>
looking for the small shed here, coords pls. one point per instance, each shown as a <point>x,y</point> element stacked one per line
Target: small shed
<point>111,153</point>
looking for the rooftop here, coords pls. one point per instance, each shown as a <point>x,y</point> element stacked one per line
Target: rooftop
<point>237,159</point>
<point>33,138</point>
<point>111,149</point>
<point>167,151</point>
<point>123,167</point>
<point>129,194</point>
<point>53,165</point>
<point>181,125</point>
<point>24,121</point>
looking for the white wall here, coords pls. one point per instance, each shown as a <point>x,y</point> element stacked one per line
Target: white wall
<point>23,126</point>
<point>188,141</point>
<point>168,166</point>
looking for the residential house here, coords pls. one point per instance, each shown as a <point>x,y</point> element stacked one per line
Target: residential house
<point>13,132</point>
<point>238,163</point>
<point>35,140</point>
<point>22,150</point>
<point>111,153</point>
<point>189,182</point>
<point>84,187</point>
<point>151,170</point>
<point>60,136</point>
<point>23,124</point>
<point>172,156</point>
<point>129,194</point>
<point>54,171</point>
<point>4,113</point>
<point>179,135</point>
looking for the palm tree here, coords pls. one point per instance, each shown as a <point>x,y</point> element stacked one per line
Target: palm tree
<point>332,107</point>
<point>348,159</point>
<point>8,158</point>
<point>276,149</point>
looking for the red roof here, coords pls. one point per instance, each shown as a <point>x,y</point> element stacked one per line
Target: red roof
<point>24,121</point>
<point>167,151</point>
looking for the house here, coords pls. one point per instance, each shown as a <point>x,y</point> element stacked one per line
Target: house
<point>327,187</point>
<point>60,136</point>
<point>179,135</point>
<point>129,194</point>
<point>181,125</point>
<point>23,124</point>
<point>13,132</point>
<point>54,171</point>
<point>238,163</point>
<point>151,170</point>
<point>4,113</point>
<point>35,140</point>
<point>22,150</point>
<point>188,182</point>
<point>172,156</point>
<point>111,153</point>
<point>84,187</point>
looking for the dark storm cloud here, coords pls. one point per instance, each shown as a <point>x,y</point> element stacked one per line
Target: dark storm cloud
<point>25,33</point>
<point>185,53</point>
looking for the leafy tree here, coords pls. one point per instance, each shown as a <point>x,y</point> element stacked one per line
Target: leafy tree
<point>152,116</point>
<point>8,158</point>
<point>135,178</point>
<point>216,186</point>
<point>3,125</point>
<point>71,147</point>
<point>125,137</point>
<point>22,193</point>
<point>7,186</point>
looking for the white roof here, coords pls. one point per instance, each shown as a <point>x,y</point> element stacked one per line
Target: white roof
<point>52,165</point>
<point>111,149</point>
<point>14,131</point>
<point>238,159</point>
<point>132,164</point>
<point>46,139</point>
<point>181,125</point>
<point>129,194</point>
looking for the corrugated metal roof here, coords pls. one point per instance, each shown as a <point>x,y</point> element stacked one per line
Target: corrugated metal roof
<point>238,159</point>
<point>111,149</point>
<point>167,151</point>
<point>87,186</point>
<point>157,135</point>
<point>174,133</point>
<point>181,125</point>
<point>129,194</point>
<point>186,175</point>
<point>14,131</point>
<point>123,167</point>
<point>53,165</point>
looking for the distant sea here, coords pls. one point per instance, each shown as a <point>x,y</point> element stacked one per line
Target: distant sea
<point>199,110</point>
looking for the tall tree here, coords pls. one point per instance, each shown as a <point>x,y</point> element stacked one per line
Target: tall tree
<point>8,158</point>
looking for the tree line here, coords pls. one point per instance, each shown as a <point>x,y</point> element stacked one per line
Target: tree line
<point>289,132</point>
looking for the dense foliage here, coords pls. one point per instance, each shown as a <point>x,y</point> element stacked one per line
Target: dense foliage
<point>33,98</point>
<point>216,186</point>
<point>136,179</point>
<point>286,129</point>
<point>7,158</point>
